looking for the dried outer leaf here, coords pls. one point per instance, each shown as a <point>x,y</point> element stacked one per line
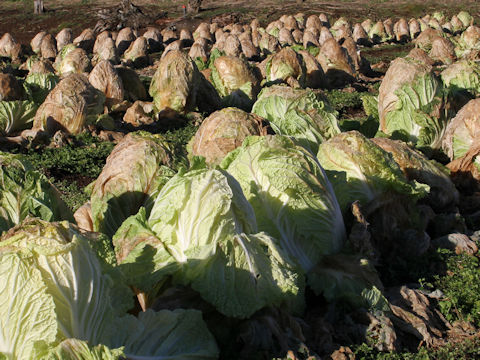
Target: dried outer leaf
<point>224,131</point>
<point>343,353</point>
<point>294,22</point>
<point>335,63</point>
<point>197,51</point>
<point>425,39</point>
<point>249,50</point>
<point>232,47</point>
<point>382,332</point>
<point>133,174</point>
<point>342,32</point>
<point>470,38</point>
<point>133,86</point>
<point>10,88</point>
<point>301,20</point>
<point>457,25</point>
<point>353,53</point>
<point>324,35</point>
<point>268,44</point>
<point>420,55</point>
<point>297,36</point>
<point>414,28</point>
<point>83,217</point>
<point>284,65</point>
<point>175,83</point>
<point>64,37</point>
<point>137,52</point>
<point>388,24</point>
<point>235,81</point>
<point>274,27</point>
<point>359,237</point>
<point>285,37</point>
<point>175,45</point>
<point>309,39</point>
<point>442,50</point>
<point>412,324</point>
<point>313,21</point>
<point>140,113</point>
<point>37,41</point>
<point>41,66</point>
<point>465,171</point>
<point>9,47</point>
<point>106,50</point>
<point>417,166</point>
<point>154,39</point>
<point>75,60</point>
<point>105,78</point>
<point>48,47</point>
<point>360,35</point>
<point>367,25</point>
<point>401,30</point>
<point>415,314</point>
<point>100,39</point>
<point>461,134</point>
<point>315,77</point>
<point>124,38</point>
<point>70,106</point>
<point>85,40</point>
<point>457,242</point>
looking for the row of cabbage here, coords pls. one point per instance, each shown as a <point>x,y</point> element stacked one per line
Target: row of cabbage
<point>252,39</point>
<point>226,80</point>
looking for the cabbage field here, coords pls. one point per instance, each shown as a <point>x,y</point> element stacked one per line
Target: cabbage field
<point>303,188</point>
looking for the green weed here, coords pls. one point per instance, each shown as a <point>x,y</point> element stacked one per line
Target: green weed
<point>72,193</point>
<point>386,53</point>
<point>73,166</point>
<point>461,286</point>
<point>341,100</point>
<point>468,349</point>
<point>70,160</point>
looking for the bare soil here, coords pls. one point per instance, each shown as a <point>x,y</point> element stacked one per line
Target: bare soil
<point>16,16</point>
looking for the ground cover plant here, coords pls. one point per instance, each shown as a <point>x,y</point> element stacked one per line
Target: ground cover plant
<point>295,185</point>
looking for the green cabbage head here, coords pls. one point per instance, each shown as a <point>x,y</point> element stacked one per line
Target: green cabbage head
<point>26,192</point>
<point>411,104</point>
<point>462,81</point>
<point>202,232</point>
<point>291,195</point>
<point>39,85</point>
<point>60,293</point>
<point>16,116</point>
<point>361,170</point>
<point>303,114</point>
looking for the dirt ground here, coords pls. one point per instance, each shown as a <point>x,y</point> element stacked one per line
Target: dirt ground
<point>16,16</point>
